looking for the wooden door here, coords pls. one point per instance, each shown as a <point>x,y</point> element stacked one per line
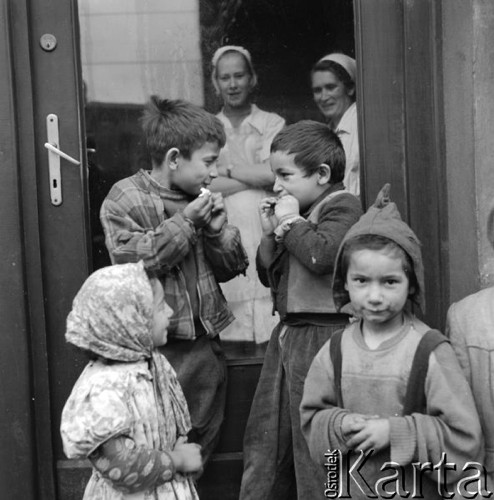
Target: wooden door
<point>399,53</point>
<point>56,221</point>
<point>400,129</point>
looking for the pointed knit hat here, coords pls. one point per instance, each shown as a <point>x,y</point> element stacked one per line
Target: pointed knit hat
<point>382,219</point>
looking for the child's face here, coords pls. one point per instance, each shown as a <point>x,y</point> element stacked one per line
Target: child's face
<point>161,314</point>
<point>190,175</point>
<point>291,179</point>
<point>378,288</point>
<point>234,80</point>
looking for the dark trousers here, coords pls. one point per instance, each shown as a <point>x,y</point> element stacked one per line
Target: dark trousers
<point>201,370</point>
<point>277,463</point>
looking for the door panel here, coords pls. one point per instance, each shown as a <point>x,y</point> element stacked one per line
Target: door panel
<point>56,85</point>
<point>401,140</point>
<point>17,444</point>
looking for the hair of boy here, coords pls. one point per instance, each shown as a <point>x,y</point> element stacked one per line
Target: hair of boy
<point>313,143</point>
<point>178,124</point>
<point>378,243</point>
<point>229,49</point>
<point>339,71</point>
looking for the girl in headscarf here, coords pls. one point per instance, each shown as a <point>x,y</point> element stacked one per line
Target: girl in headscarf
<point>127,413</point>
<point>244,178</point>
<point>333,88</point>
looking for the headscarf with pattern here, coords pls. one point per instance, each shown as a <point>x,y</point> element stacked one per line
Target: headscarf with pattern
<point>112,317</point>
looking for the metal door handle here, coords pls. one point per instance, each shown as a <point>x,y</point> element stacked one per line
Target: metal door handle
<point>53,148</point>
<point>54,155</point>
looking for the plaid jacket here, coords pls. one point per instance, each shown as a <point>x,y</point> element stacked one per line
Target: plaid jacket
<point>138,228</point>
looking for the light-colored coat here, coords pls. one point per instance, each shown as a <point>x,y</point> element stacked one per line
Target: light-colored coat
<point>470,326</point>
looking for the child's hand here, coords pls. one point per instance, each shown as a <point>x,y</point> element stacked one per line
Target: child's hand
<point>374,435</point>
<point>286,208</point>
<point>218,213</point>
<point>269,221</point>
<point>199,210</point>
<point>352,423</point>
<point>186,456</point>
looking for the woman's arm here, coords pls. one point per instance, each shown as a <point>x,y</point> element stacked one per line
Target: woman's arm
<point>241,169</point>
<point>255,175</point>
<point>227,186</point>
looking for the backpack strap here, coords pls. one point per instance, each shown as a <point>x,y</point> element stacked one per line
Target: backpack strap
<point>336,359</point>
<point>415,400</point>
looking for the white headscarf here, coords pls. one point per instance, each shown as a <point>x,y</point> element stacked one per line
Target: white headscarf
<point>348,63</point>
<point>231,48</point>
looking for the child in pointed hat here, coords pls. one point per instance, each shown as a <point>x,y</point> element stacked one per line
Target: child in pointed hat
<point>388,389</point>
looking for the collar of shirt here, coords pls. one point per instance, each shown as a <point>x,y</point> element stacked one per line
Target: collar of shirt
<point>255,119</point>
<point>347,121</point>
<point>331,189</point>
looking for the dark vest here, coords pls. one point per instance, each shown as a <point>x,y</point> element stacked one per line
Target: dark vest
<point>309,292</point>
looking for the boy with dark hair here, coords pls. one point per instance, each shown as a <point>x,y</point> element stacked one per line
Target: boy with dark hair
<point>167,218</point>
<point>302,229</point>
<point>387,387</point>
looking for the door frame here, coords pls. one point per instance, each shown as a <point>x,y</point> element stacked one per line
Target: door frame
<point>403,138</point>
<point>52,260</point>
<point>17,441</point>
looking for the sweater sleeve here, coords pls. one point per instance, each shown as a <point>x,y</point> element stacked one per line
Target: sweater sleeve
<point>456,334</point>
<point>450,431</point>
<point>319,416</point>
<point>316,246</point>
<point>131,468</point>
<point>225,253</point>
<point>262,270</point>
<point>130,235</point>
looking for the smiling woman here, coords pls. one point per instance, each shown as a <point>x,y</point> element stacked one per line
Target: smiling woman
<point>333,89</point>
<point>245,178</point>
